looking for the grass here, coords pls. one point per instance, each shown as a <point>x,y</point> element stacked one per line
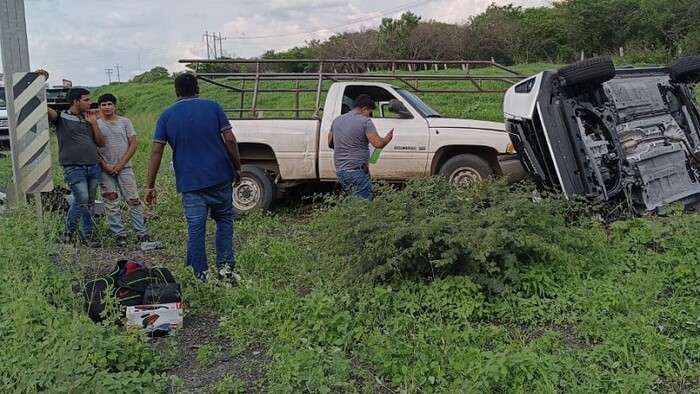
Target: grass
<point>425,290</point>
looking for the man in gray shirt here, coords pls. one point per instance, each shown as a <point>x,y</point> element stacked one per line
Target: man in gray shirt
<point>117,173</point>
<point>350,136</point>
<point>78,139</point>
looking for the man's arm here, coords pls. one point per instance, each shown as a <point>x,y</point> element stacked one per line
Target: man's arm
<point>150,194</point>
<point>53,115</point>
<point>379,142</point>
<point>130,151</point>
<point>91,118</point>
<point>232,149</point>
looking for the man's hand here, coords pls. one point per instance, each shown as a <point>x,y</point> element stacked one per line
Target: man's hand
<point>117,168</point>
<point>389,136</point>
<point>91,117</point>
<point>239,177</point>
<point>150,196</point>
<point>44,73</point>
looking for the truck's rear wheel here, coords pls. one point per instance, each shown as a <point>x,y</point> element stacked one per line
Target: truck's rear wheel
<point>466,168</point>
<point>686,69</point>
<point>256,191</point>
<point>593,71</point>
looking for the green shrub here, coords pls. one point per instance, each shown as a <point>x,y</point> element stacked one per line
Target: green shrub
<point>430,229</point>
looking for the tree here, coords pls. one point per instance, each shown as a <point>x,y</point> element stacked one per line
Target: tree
<point>435,41</point>
<point>154,74</point>
<point>394,34</point>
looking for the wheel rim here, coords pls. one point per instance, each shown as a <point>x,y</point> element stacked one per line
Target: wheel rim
<point>246,195</point>
<point>463,176</point>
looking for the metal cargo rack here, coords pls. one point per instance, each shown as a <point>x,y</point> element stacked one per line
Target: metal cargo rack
<point>403,73</point>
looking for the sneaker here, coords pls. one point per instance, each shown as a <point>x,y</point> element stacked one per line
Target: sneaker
<point>225,272</point>
<point>202,276</point>
<point>145,238</point>
<point>228,273</point>
<point>121,241</point>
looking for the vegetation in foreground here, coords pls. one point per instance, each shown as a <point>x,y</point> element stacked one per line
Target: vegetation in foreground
<point>425,289</point>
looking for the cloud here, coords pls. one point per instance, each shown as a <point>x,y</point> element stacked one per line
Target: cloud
<point>79,40</point>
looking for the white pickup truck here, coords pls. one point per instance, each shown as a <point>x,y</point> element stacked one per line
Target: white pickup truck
<point>280,153</point>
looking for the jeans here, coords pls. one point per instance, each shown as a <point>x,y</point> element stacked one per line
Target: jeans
<point>356,183</point>
<point>123,184</point>
<point>218,202</point>
<point>83,182</point>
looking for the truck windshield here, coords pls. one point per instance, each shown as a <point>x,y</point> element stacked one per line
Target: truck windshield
<point>418,104</point>
<point>3,104</point>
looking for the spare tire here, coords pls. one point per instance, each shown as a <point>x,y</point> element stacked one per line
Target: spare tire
<point>685,69</point>
<point>593,71</point>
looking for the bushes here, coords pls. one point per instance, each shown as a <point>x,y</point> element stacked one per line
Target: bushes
<point>430,229</point>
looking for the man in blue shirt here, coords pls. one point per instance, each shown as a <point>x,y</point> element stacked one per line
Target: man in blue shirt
<point>206,162</point>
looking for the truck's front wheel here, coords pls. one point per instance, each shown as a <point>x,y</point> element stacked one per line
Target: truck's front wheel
<point>463,169</point>
<point>256,191</point>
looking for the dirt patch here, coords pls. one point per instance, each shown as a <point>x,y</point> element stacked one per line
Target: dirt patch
<point>203,359</point>
<point>566,332</point>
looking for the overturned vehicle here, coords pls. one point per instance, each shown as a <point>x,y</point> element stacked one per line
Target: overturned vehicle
<point>591,129</point>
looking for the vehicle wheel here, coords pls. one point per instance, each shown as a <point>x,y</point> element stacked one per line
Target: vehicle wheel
<point>256,191</point>
<point>466,168</point>
<point>686,69</point>
<point>592,71</point>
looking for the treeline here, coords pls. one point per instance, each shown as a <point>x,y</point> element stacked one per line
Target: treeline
<point>639,31</point>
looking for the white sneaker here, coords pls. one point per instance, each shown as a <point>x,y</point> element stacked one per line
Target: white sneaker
<point>225,272</point>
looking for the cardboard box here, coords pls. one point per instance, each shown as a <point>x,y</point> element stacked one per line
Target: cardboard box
<point>156,319</point>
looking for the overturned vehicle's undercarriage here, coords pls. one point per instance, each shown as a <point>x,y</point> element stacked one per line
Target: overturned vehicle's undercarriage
<point>591,129</point>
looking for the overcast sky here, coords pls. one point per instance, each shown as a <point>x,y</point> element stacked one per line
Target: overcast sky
<point>78,40</point>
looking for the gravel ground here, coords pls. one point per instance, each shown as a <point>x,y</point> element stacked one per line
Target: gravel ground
<point>189,375</point>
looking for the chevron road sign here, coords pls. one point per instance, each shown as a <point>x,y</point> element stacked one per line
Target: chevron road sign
<point>31,137</point>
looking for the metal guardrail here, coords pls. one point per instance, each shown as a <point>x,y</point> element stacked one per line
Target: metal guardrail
<point>408,74</point>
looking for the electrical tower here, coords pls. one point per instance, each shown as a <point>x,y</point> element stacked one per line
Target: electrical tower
<point>118,67</point>
<point>211,48</point>
<point>108,71</point>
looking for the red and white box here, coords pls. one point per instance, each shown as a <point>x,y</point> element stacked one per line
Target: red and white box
<point>157,318</point>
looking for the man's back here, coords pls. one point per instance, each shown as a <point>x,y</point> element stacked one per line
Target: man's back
<point>351,144</point>
<point>192,127</point>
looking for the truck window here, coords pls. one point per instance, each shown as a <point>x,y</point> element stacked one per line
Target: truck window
<point>380,95</point>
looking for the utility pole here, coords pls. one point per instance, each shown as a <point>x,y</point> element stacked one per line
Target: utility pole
<point>118,67</point>
<point>108,71</point>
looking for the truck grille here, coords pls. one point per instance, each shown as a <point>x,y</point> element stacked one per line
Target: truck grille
<point>4,124</point>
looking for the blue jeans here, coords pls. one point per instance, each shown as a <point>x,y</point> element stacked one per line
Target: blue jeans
<point>356,183</point>
<point>83,182</point>
<point>218,202</point>
<point>123,183</point>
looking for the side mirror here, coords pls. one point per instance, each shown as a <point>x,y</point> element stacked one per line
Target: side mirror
<point>400,109</point>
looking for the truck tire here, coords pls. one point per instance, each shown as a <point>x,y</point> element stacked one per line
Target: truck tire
<point>593,71</point>
<point>685,69</point>
<point>256,191</point>
<point>463,169</point>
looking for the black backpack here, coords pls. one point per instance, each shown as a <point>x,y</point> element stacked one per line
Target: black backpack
<point>141,285</point>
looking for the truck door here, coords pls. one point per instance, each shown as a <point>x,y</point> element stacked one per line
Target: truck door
<point>407,154</point>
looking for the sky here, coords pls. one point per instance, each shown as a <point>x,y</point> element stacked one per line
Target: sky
<point>81,40</point>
